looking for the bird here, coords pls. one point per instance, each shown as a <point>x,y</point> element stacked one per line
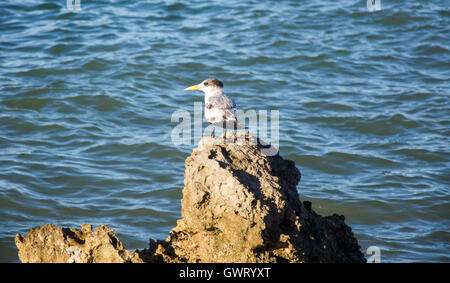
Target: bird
<point>220,109</point>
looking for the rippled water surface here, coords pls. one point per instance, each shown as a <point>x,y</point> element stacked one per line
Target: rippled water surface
<point>86,100</point>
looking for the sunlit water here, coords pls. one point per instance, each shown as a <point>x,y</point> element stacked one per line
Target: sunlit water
<point>86,100</point>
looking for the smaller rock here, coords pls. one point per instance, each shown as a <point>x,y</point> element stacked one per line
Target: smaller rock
<point>53,244</point>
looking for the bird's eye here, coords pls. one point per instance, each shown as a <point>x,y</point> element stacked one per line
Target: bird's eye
<point>205,84</point>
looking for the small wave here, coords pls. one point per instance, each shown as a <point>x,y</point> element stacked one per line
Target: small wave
<point>47,6</point>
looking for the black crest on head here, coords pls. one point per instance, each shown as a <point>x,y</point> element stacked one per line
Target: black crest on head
<point>213,82</point>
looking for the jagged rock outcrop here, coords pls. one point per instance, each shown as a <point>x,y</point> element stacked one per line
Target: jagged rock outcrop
<point>241,206</point>
<point>54,244</point>
<point>238,206</point>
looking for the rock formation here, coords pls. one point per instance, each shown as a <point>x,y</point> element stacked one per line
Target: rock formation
<point>241,206</point>
<point>51,243</point>
<point>238,206</point>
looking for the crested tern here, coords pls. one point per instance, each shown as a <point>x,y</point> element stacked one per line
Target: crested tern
<point>220,110</point>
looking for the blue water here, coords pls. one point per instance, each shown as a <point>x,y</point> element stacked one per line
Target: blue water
<point>86,99</point>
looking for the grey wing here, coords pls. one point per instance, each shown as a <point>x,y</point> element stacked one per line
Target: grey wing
<point>225,103</point>
<point>228,107</point>
<point>222,102</point>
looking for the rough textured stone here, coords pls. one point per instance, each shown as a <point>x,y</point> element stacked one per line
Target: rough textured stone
<point>51,243</point>
<point>241,206</point>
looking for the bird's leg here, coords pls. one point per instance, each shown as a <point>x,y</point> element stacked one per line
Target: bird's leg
<point>212,135</point>
<point>224,125</point>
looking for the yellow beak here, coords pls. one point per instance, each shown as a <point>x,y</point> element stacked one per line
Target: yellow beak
<point>194,87</point>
